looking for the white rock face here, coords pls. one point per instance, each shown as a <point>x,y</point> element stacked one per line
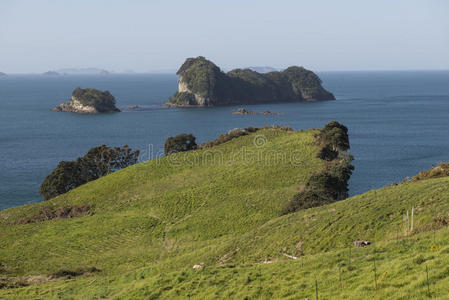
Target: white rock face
<point>182,87</point>
<point>74,105</point>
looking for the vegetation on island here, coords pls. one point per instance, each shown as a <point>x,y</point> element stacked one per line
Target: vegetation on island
<point>206,224</point>
<point>98,162</point>
<point>102,101</point>
<point>202,83</point>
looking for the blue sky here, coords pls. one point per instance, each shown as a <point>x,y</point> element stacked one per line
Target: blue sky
<point>153,35</point>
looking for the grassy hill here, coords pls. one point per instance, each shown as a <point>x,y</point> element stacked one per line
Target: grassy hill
<point>219,208</point>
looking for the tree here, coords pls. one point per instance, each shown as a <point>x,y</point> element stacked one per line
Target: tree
<point>180,143</point>
<point>98,161</point>
<point>335,135</point>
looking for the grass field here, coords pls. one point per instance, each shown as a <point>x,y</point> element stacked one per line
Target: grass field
<point>219,208</point>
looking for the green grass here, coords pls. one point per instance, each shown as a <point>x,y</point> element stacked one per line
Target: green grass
<point>155,220</point>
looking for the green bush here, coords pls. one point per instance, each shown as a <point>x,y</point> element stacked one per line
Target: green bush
<point>335,135</point>
<point>441,170</point>
<point>98,161</point>
<point>180,143</point>
<point>304,200</point>
<point>330,185</point>
<point>327,153</point>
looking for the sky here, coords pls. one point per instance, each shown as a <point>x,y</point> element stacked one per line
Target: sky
<point>158,35</point>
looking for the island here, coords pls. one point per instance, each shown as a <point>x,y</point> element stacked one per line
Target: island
<point>2,74</point>
<point>201,83</point>
<point>83,71</point>
<point>89,101</point>
<point>51,73</point>
<point>242,111</point>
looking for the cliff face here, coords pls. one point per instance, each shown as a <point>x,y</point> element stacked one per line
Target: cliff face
<point>89,101</point>
<point>202,83</point>
<point>74,105</point>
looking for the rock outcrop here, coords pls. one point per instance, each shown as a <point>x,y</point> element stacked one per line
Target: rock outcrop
<point>202,83</point>
<point>242,111</point>
<point>89,101</point>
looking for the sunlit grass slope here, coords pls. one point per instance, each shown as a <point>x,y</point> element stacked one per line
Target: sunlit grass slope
<point>155,209</point>
<point>220,210</point>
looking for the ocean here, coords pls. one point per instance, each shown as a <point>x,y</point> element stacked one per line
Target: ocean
<point>398,123</point>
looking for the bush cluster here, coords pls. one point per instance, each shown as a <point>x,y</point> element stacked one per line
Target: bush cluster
<point>232,134</point>
<point>98,161</point>
<point>330,185</point>
<point>180,143</point>
<point>441,170</point>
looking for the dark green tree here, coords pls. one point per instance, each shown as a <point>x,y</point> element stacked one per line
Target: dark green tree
<point>335,135</point>
<point>99,161</point>
<point>180,143</point>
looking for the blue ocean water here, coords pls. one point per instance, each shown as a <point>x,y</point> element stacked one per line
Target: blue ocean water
<point>398,123</point>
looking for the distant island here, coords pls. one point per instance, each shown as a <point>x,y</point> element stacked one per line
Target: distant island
<point>89,101</point>
<point>202,83</point>
<point>83,71</point>
<point>2,74</point>
<point>51,73</point>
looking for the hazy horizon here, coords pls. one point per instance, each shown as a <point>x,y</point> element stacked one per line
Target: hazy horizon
<point>157,36</point>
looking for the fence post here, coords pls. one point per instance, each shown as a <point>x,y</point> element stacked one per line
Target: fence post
<point>375,274</point>
<point>316,289</point>
<point>339,276</point>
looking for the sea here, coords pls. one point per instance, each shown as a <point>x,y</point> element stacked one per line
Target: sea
<point>398,123</point>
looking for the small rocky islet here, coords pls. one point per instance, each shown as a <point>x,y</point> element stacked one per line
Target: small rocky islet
<point>89,101</point>
<point>242,111</point>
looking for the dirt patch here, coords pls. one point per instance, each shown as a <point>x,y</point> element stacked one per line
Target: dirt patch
<point>22,281</point>
<point>49,213</point>
<point>74,273</point>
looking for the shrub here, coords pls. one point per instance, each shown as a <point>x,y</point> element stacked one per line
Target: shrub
<point>231,134</point>
<point>335,135</point>
<point>327,153</point>
<point>98,161</point>
<point>325,184</point>
<point>180,143</point>
<point>441,170</point>
<point>304,200</point>
<point>331,185</point>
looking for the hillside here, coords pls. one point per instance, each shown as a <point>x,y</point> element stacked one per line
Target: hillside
<point>219,208</point>
<point>202,83</point>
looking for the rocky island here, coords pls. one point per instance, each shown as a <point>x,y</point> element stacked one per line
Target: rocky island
<point>51,73</point>
<point>202,83</point>
<point>242,111</point>
<point>89,101</point>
